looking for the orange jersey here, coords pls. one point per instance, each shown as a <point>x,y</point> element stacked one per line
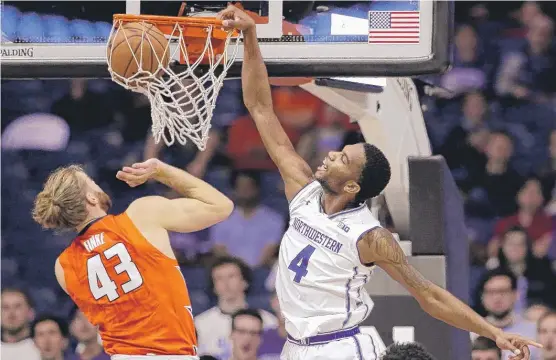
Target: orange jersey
<point>134,293</point>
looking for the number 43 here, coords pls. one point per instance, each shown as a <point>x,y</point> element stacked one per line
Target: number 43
<point>300,263</point>
<point>99,281</point>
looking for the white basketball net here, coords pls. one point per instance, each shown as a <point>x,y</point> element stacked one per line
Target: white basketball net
<point>182,101</point>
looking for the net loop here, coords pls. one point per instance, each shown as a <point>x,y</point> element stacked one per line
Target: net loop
<point>182,97</point>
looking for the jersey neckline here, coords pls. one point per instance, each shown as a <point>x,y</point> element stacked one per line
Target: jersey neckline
<point>88,226</point>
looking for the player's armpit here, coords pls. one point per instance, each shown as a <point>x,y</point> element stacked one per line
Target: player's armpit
<point>179,215</point>
<point>59,272</point>
<point>380,247</point>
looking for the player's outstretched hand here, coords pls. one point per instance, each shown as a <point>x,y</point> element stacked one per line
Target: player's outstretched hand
<point>138,173</point>
<point>517,344</point>
<point>234,18</point>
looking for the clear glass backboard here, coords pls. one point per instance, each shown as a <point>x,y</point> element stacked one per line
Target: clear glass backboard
<point>50,39</point>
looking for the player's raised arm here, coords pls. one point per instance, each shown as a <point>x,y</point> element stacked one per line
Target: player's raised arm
<point>258,100</point>
<point>380,247</point>
<point>200,207</point>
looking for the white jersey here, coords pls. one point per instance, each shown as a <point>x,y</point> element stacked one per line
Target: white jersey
<point>320,276</point>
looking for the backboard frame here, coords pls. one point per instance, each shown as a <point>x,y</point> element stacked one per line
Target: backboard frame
<point>89,64</point>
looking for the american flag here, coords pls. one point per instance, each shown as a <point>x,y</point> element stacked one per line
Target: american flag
<point>394,27</point>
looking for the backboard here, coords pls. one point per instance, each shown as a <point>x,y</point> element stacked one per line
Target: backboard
<point>51,39</point>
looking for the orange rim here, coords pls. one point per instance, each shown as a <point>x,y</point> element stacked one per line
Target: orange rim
<point>166,20</point>
<point>166,23</point>
<point>194,30</point>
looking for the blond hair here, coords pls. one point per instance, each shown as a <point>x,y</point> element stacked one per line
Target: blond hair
<point>61,204</point>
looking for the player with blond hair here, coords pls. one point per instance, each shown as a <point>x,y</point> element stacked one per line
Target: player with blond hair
<point>334,241</point>
<point>120,269</point>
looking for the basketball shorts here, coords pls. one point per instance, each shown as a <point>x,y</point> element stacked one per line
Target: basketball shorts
<point>358,347</point>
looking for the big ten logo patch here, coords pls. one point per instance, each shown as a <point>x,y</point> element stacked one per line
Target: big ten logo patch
<point>343,226</point>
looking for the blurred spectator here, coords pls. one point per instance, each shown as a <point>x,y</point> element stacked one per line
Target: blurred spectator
<point>185,156</point>
<point>498,293</point>
<point>245,146</point>
<point>273,340</point>
<point>497,179</point>
<point>471,69</point>
<point>295,108</point>
<point>82,109</point>
<point>187,247</point>
<point>247,327</point>
<point>546,336</point>
<point>485,349</point>
<point>36,132</point>
<point>327,135</point>
<point>535,311</point>
<point>137,119</point>
<point>535,275</point>
<point>465,145</point>
<point>229,279</point>
<point>529,73</point>
<point>50,334</point>
<point>17,314</point>
<point>548,175</point>
<point>531,216</point>
<point>523,18</point>
<point>253,231</point>
<point>89,346</point>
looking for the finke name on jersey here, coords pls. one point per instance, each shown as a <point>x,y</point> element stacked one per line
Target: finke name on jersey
<point>316,236</point>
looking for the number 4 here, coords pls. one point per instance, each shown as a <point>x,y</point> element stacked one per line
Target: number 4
<point>97,273</point>
<point>300,262</point>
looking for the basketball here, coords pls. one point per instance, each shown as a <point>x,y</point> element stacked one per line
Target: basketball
<point>138,46</point>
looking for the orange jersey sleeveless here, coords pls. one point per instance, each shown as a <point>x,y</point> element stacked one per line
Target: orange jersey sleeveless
<point>133,292</point>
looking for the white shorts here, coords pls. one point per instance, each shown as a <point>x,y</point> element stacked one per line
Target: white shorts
<point>153,357</point>
<point>358,347</point>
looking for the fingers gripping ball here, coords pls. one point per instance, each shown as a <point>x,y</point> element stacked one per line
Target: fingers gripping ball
<point>137,47</point>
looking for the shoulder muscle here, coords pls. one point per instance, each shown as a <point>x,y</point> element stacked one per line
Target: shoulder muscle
<point>380,246</point>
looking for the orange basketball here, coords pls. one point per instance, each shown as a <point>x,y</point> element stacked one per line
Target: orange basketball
<point>131,50</point>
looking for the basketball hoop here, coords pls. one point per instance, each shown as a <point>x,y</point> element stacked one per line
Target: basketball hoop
<point>182,97</point>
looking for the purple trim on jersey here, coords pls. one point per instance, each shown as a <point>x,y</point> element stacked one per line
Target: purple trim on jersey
<point>343,212</point>
<point>366,278</point>
<point>301,190</point>
<point>347,211</point>
<point>359,354</point>
<point>374,346</point>
<point>348,299</point>
<point>358,239</point>
<point>325,338</point>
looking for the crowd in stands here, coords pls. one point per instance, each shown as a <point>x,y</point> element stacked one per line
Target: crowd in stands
<point>492,118</point>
